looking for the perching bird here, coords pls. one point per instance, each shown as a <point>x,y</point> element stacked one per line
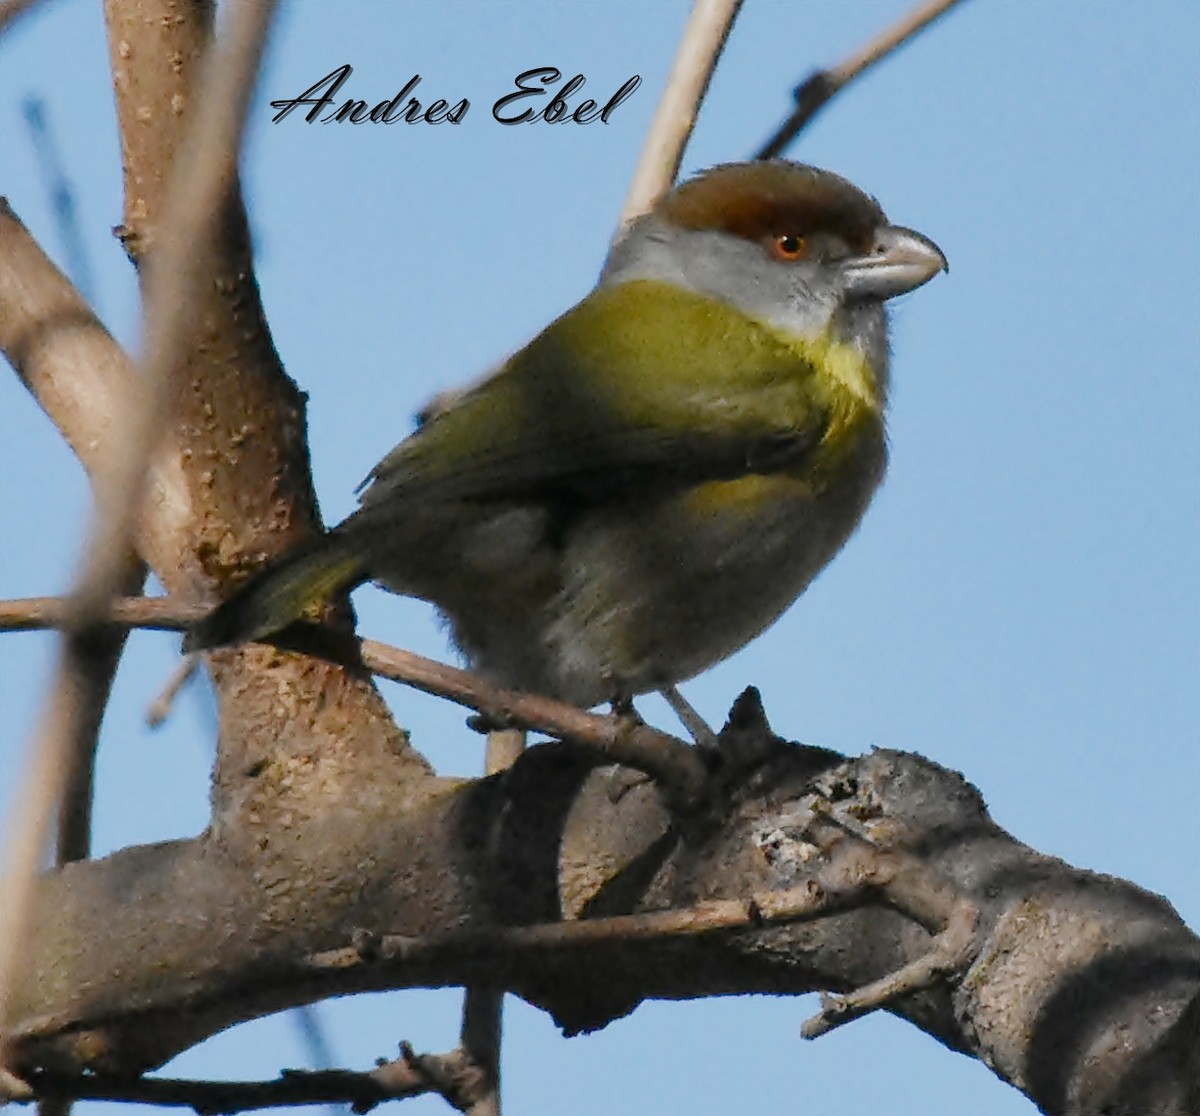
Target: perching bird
<point>661,472</point>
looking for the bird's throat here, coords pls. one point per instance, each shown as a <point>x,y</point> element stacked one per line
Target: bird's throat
<point>843,370</point>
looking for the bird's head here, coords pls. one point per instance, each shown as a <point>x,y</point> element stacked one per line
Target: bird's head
<point>795,247</point>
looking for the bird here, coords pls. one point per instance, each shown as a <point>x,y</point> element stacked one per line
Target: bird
<point>661,472</point>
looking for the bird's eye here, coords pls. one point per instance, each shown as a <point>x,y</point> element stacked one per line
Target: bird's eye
<point>788,247</point>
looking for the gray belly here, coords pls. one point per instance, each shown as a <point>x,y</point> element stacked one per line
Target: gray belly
<point>631,599</point>
<point>654,599</point>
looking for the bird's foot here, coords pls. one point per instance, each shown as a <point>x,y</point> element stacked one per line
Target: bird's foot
<point>696,725</point>
<point>621,780</point>
<point>486,723</point>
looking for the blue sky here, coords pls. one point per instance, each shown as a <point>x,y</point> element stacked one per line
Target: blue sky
<point>1020,603</point>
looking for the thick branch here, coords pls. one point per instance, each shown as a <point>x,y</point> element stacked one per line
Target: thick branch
<point>240,418</point>
<point>1061,964</point>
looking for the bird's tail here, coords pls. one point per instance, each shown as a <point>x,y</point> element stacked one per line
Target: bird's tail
<point>279,594</point>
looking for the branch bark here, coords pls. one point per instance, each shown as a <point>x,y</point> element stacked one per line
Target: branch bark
<point>240,417</point>
<point>1075,987</point>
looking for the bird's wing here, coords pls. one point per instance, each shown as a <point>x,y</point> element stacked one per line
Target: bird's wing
<point>603,401</point>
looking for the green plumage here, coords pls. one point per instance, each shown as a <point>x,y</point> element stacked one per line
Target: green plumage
<point>642,383</point>
<point>662,471</point>
<point>633,495</point>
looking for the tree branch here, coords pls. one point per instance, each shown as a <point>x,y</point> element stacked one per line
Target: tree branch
<point>543,882</point>
<point>405,1077</point>
<point>483,1005</point>
<point>699,51</point>
<point>816,91</point>
<point>678,769</point>
<point>11,12</point>
<point>183,259</point>
<point>73,839</point>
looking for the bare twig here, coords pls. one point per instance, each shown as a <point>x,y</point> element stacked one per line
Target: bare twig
<point>820,87</point>
<point>164,614</point>
<point>12,10</point>
<point>662,151</point>
<point>462,1082</point>
<point>905,883</point>
<point>950,952</point>
<point>674,765</point>
<point>835,887</point>
<point>201,173</point>
<point>160,708</point>
<point>361,1090</point>
<point>74,838</point>
<point>60,193</point>
<point>483,1007</point>
<point>316,1042</point>
<point>61,729</point>
<point>64,355</point>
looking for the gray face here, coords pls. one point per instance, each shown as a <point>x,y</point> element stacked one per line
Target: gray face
<point>806,298</point>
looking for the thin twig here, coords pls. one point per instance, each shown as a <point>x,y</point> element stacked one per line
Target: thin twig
<point>361,1090</point>
<point>483,1006</point>
<point>159,614</point>
<point>662,151</point>
<point>316,1042</point>
<point>202,172</point>
<point>74,834</point>
<point>949,952</point>
<point>60,192</point>
<point>12,10</point>
<point>160,708</point>
<point>837,887</point>
<point>821,86</point>
<point>674,765</point>
<point>902,881</point>
<point>74,837</point>
<point>462,1082</point>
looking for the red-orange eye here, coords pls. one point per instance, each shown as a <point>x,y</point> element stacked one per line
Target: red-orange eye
<point>787,247</point>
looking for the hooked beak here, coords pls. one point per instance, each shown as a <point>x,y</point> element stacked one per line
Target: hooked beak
<point>899,261</point>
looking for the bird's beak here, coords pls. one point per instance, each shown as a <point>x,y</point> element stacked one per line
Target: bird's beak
<point>899,261</point>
